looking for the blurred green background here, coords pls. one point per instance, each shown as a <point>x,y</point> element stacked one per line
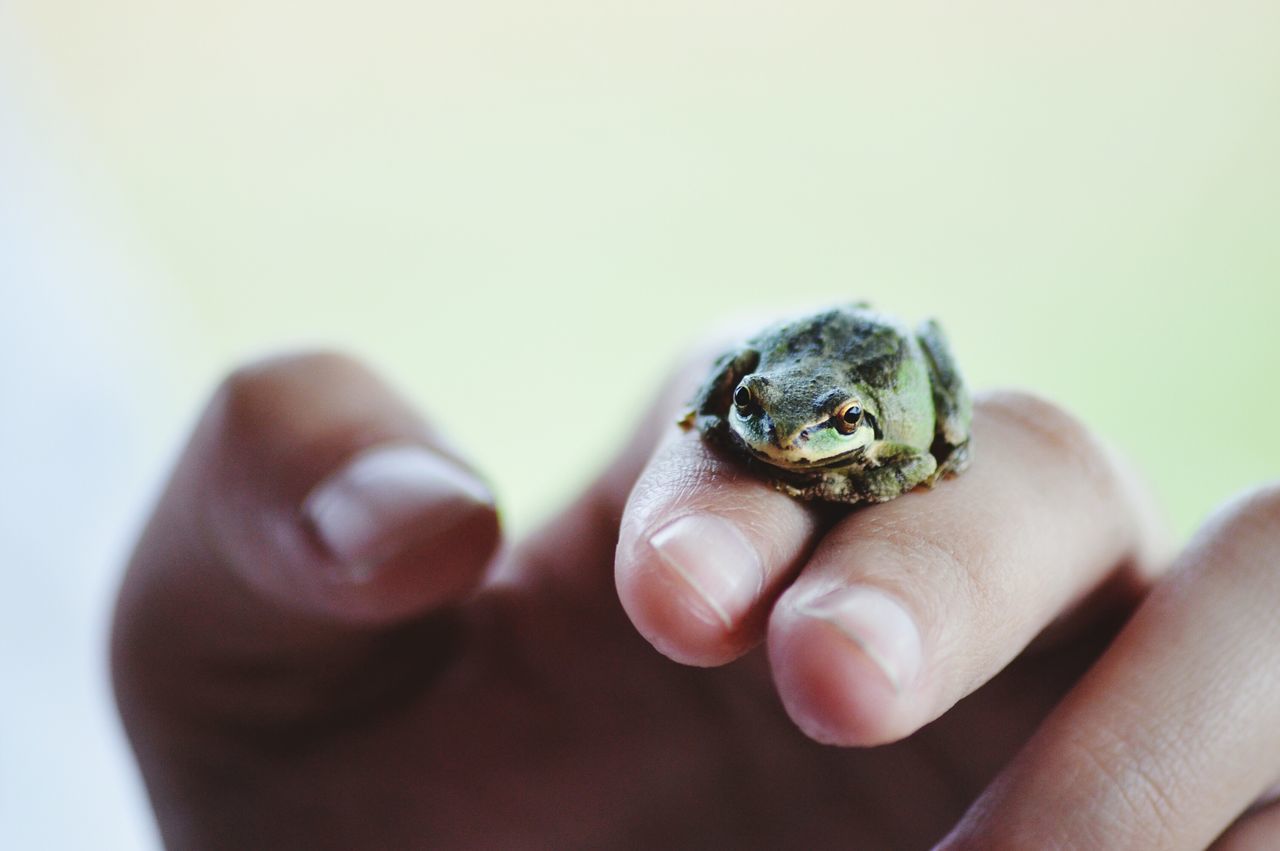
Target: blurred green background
<point>522,212</point>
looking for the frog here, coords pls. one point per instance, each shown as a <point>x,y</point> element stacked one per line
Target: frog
<point>843,405</point>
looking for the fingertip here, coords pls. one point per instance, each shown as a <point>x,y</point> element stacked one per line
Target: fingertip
<point>431,572</point>
<point>689,589</point>
<point>385,497</point>
<point>403,530</point>
<point>846,665</point>
<point>328,494</point>
<point>702,548</point>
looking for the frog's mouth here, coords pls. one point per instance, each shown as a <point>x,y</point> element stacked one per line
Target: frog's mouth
<point>794,463</point>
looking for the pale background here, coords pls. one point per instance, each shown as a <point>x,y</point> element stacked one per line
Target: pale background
<point>523,211</point>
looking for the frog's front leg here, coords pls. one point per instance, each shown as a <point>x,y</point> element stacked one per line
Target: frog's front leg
<point>894,469</point>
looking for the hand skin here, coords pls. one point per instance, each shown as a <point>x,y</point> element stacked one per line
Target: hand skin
<point>321,643</point>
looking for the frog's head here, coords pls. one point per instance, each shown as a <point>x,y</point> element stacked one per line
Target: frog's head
<point>809,421</point>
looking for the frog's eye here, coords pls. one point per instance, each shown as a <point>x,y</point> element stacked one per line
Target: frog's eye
<point>848,417</point>
<point>742,398</point>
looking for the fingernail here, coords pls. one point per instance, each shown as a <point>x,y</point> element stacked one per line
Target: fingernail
<point>384,499</point>
<point>877,625</point>
<point>712,557</point>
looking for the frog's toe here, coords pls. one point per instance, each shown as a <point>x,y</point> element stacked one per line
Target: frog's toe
<point>954,460</point>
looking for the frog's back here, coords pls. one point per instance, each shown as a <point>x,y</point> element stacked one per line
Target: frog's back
<point>870,344</point>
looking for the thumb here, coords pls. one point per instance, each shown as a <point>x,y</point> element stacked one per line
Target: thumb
<point>312,518</point>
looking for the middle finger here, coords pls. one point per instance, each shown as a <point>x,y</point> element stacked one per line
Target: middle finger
<point>907,607</point>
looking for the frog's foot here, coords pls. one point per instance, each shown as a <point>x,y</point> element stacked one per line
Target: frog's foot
<point>954,460</point>
<point>895,477</point>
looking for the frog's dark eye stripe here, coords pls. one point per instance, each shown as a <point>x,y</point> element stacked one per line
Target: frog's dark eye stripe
<point>742,397</point>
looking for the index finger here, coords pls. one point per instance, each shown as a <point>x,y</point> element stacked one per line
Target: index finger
<point>702,547</point>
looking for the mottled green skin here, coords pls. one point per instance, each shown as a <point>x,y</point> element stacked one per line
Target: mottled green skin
<point>799,374</point>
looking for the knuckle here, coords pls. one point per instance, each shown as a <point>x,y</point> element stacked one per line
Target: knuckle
<point>1053,432</point>
<point>1257,509</point>
<point>1131,791</point>
<point>1243,538</point>
<point>1041,419</point>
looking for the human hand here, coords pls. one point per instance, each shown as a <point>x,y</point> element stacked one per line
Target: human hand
<point>878,621</point>
<point>279,695</point>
